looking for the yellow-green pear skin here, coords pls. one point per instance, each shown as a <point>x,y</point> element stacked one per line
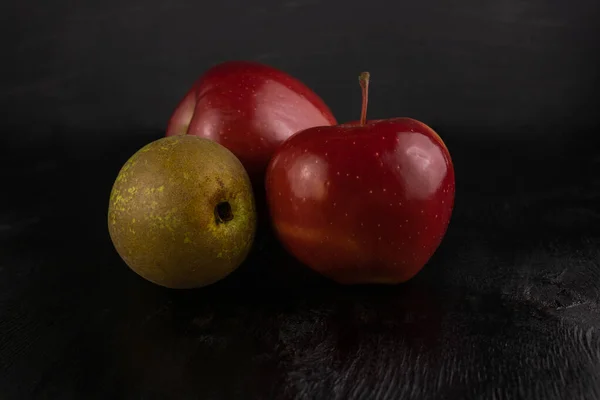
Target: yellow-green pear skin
<point>182,212</point>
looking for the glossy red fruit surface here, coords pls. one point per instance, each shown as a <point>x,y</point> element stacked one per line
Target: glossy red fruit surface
<point>362,203</point>
<point>250,108</point>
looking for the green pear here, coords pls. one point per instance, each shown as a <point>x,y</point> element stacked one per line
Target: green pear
<point>182,213</point>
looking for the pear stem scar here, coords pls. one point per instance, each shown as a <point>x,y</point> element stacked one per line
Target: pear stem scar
<point>223,212</point>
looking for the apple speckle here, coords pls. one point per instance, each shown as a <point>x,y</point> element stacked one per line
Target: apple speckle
<point>304,199</point>
<point>378,225</point>
<point>376,154</point>
<point>353,142</point>
<point>422,211</point>
<point>334,204</point>
<point>357,177</point>
<point>442,201</point>
<point>370,191</point>
<point>379,238</point>
<point>384,189</point>
<point>280,193</point>
<point>327,183</point>
<point>347,174</point>
<point>362,224</point>
<point>326,153</point>
<point>407,221</point>
<point>436,215</point>
<point>346,214</point>
<point>316,161</point>
<point>337,173</point>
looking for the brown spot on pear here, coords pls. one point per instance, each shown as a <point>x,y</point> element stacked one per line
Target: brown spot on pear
<point>182,213</point>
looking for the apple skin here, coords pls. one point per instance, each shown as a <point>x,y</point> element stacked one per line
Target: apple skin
<point>362,204</point>
<point>249,108</point>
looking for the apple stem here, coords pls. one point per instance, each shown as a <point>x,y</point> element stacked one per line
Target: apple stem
<point>363,80</point>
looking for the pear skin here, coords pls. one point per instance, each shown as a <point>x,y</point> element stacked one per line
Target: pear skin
<point>182,213</point>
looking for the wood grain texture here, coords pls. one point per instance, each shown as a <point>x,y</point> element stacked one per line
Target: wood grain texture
<point>507,308</point>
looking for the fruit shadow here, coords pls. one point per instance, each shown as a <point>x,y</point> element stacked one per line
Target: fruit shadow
<point>237,335</point>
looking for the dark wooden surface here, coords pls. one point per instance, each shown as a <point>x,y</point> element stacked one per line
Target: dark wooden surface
<point>509,307</point>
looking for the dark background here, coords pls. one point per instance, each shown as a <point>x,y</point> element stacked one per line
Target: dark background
<point>507,308</point>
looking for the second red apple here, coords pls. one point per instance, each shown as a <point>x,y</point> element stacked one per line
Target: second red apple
<point>249,108</point>
<point>365,202</point>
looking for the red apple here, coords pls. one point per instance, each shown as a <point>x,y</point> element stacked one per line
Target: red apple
<point>249,108</point>
<point>365,202</point>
